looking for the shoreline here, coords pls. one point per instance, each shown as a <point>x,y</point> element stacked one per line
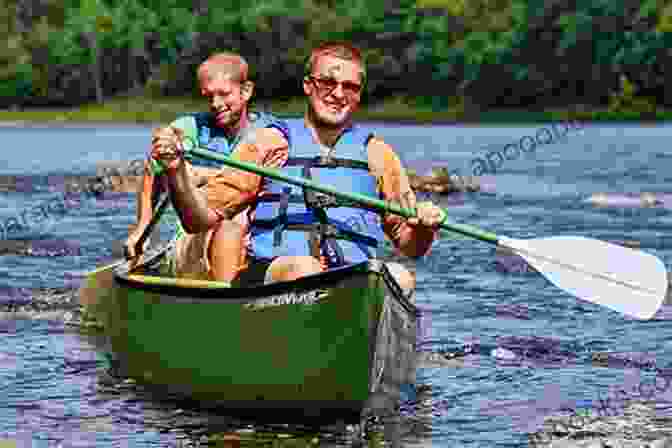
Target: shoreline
<point>81,124</point>
<point>143,111</point>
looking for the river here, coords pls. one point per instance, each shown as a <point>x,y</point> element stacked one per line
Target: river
<point>532,343</point>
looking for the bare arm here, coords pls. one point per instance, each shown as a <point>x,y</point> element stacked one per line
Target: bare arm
<point>149,185</point>
<point>230,190</point>
<point>412,237</point>
<point>144,198</point>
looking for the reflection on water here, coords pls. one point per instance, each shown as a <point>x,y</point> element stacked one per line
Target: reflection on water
<point>193,426</point>
<point>62,387</point>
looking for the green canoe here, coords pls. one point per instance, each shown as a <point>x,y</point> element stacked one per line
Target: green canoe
<point>338,345</point>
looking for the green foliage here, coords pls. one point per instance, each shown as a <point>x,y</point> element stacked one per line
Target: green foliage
<point>122,24</point>
<point>454,43</point>
<point>493,30</point>
<point>15,69</point>
<point>572,25</point>
<point>664,19</point>
<point>454,7</point>
<point>626,100</point>
<point>649,8</point>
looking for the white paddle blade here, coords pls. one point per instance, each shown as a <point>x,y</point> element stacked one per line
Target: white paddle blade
<point>629,281</point>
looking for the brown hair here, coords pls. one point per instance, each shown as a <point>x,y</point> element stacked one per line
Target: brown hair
<point>341,50</point>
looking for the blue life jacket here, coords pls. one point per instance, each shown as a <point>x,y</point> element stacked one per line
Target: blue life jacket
<point>211,136</point>
<point>291,220</point>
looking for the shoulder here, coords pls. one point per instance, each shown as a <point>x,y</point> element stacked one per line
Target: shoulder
<point>265,140</point>
<point>382,157</point>
<point>265,136</point>
<point>263,146</point>
<point>377,144</point>
<point>270,121</point>
<point>187,122</point>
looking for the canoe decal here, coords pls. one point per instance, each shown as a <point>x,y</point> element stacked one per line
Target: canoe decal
<point>304,298</point>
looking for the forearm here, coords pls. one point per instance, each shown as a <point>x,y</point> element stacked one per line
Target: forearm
<point>144,198</point>
<point>190,203</point>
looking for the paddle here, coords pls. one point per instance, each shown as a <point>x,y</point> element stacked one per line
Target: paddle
<point>629,281</point>
<point>100,280</point>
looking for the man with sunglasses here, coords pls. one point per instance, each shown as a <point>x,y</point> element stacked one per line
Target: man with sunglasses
<point>295,233</point>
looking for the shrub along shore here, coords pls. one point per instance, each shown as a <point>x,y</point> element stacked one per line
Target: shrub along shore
<point>144,110</point>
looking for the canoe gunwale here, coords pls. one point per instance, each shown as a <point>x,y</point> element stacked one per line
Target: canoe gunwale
<point>403,299</point>
<point>307,283</point>
<point>123,275</point>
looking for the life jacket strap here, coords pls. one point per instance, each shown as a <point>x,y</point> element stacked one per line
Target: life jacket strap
<point>314,236</point>
<point>282,216</point>
<point>328,230</point>
<point>327,162</point>
<point>321,236</point>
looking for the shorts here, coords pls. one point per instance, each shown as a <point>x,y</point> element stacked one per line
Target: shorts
<point>188,257</point>
<point>253,275</point>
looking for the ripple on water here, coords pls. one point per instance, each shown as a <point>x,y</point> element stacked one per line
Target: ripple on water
<point>466,294</point>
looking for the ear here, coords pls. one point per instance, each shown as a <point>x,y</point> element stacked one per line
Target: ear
<point>307,86</point>
<point>246,90</point>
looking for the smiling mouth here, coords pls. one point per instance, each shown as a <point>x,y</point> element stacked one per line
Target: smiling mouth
<point>336,107</point>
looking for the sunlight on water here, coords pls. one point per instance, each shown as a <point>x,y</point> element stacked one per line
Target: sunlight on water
<point>531,346</point>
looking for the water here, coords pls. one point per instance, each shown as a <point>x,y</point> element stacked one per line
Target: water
<point>56,392</point>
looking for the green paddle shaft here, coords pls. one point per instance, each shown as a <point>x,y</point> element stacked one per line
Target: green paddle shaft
<point>374,203</point>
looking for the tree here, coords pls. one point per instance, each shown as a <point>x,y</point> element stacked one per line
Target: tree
<point>15,67</point>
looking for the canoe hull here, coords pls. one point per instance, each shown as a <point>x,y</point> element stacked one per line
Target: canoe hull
<point>337,345</point>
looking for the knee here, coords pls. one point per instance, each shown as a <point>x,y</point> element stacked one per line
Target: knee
<point>227,236</point>
<point>403,276</point>
<point>229,230</point>
<point>291,268</point>
<point>306,265</point>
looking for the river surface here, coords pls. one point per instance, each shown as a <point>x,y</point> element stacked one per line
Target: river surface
<point>532,343</point>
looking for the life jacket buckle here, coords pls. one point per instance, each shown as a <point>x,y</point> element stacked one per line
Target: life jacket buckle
<point>327,230</point>
<point>322,201</point>
<point>327,161</point>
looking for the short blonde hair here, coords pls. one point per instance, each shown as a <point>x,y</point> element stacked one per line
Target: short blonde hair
<point>341,50</point>
<point>228,62</point>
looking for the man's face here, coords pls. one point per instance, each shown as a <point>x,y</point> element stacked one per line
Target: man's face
<point>227,98</point>
<point>333,89</point>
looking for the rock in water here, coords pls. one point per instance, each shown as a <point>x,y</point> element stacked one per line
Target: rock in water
<point>441,182</point>
<point>637,360</point>
<point>60,304</point>
<point>638,426</point>
<point>39,248</point>
<point>630,200</point>
<point>71,184</point>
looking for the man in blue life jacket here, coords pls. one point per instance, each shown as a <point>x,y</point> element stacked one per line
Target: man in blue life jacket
<point>223,80</point>
<point>294,232</point>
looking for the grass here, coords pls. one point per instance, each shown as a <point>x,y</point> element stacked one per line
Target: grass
<point>117,110</point>
<point>143,110</point>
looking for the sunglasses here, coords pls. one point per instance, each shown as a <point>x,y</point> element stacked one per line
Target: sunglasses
<point>327,85</point>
